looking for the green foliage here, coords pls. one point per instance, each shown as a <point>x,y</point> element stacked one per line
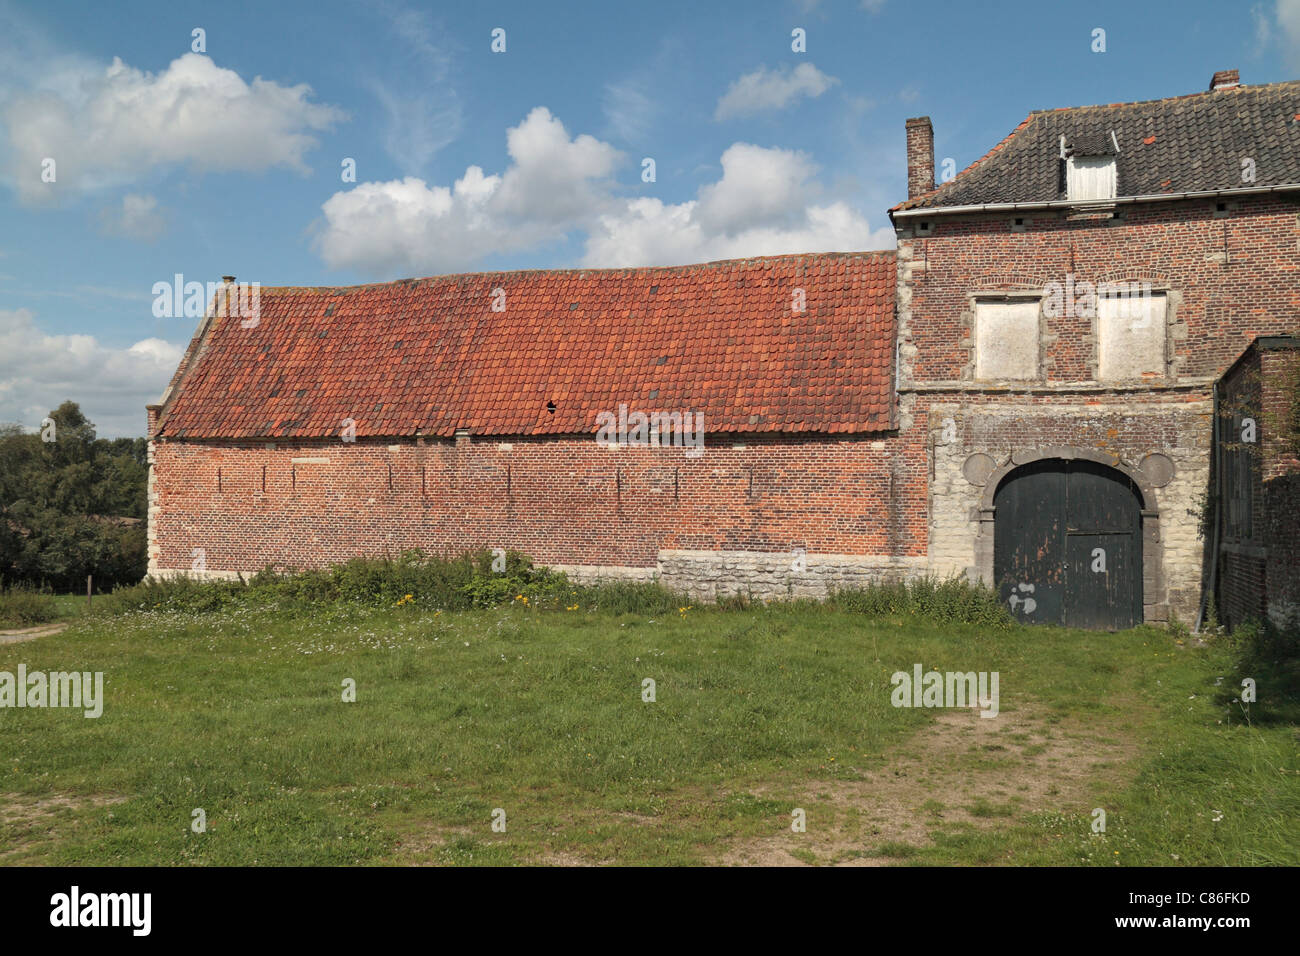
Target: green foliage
<point>414,579</point>
<point>1270,656</point>
<point>468,581</point>
<point>72,506</point>
<point>953,601</point>
<point>24,607</point>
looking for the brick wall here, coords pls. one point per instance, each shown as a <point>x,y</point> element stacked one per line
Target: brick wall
<point>1221,305</point>
<point>566,501</point>
<point>1280,479</point>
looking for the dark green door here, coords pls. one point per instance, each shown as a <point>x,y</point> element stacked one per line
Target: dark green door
<point>1067,546</point>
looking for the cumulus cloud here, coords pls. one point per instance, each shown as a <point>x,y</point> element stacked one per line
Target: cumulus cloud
<point>113,127</point>
<point>764,204</point>
<point>39,371</point>
<point>767,201</point>
<point>553,185</point>
<point>137,217</point>
<point>765,90</point>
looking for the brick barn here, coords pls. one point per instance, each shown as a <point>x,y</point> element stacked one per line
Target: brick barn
<point>1021,391</point>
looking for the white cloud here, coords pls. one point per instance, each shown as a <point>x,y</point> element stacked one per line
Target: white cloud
<point>629,109</point>
<point>765,90</point>
<point>122,122</point>
<point>873,6</point>
<point>653,233</point>
<point>759,187</point>
<point>635,104</point>
<point>138,217</point>
<point>39,371</point>
<point>763,205</point>
<point>553,185</point>
<point>766,202</point>
<point>1288,21</point>
<point>421,108</point>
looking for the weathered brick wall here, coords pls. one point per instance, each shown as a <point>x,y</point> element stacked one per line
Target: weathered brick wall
<point>566,502</point>
<point>1280,494</point>
<point>1220,305</point>
<point>1282,531</point>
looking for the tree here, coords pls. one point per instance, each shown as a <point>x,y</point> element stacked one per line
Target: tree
<point>72,506</point>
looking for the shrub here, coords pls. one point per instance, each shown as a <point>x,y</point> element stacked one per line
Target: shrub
<point>951,601</point>
<point>25,607</point>
<point>468,581</point>
<point>629,597</point>
<point>465,581</point>
<point>1269,655</point>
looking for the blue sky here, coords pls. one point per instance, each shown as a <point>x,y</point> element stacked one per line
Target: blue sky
<point>229,161</point>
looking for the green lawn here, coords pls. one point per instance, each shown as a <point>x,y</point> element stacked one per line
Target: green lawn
<point>540,713</point>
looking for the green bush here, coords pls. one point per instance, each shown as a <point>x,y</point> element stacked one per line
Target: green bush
<point>415,579</point>
<point>952,601</point>
<point>469,581</point>
<point>1271,657</point>
<point>24,607</point>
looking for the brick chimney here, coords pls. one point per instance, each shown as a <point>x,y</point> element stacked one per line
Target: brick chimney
<point>1224,80</point>
<point>920,156</point>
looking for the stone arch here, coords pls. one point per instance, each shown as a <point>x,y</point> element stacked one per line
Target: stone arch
<point>1155,600</point>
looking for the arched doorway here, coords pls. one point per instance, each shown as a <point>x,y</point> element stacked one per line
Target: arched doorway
<point>1067,544</point>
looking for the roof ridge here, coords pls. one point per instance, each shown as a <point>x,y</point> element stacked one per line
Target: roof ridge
<point>631,270</point>
<point>1234,90</point>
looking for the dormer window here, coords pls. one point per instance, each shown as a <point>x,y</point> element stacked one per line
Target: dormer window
<point>1090,179</point>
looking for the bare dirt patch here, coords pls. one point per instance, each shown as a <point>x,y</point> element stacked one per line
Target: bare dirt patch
<point>960,770</point>
<point>27,820</point>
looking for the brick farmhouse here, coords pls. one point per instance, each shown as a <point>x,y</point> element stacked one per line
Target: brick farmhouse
<point>1023,391</point>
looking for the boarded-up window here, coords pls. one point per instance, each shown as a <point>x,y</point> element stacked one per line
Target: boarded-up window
<point>1090,178</point>
<point>1006,339</point>
<point>1131,337</point>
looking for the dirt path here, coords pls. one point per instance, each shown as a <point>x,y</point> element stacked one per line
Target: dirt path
<point>31,633</point>
<point>961,770</point>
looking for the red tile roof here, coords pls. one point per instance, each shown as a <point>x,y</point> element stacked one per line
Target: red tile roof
<point>429,356</point>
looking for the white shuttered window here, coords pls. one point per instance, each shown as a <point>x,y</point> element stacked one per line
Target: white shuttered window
<point>1131,337</point>
<point>1006,339</point>
<point>1089,178</point>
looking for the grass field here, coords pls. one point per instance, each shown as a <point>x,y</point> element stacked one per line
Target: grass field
<point>540,714</point>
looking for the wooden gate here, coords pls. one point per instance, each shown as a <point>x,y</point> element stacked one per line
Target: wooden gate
<point>1067,545</point>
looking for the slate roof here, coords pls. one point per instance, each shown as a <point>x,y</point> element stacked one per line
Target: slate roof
<point>1183,144</point>
<point>429,356</point>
